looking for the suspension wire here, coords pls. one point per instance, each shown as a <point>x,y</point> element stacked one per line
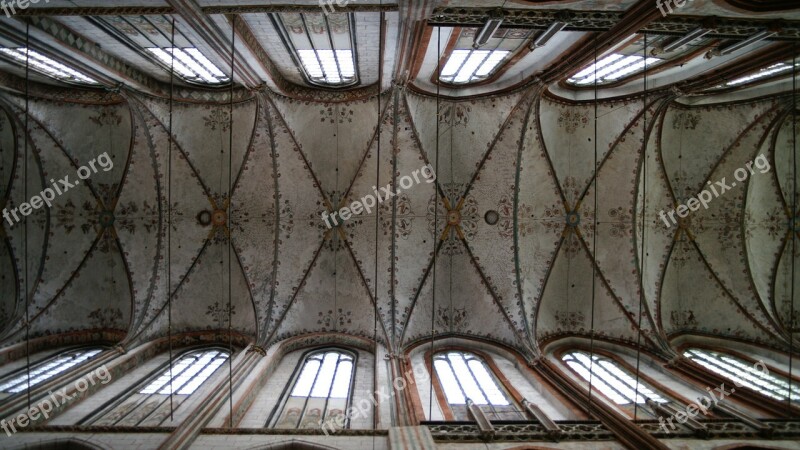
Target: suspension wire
<point>594,240</point>
<point>642,253</point>
<point>229,219</point>
<point>377,222</point>
<point>792,318</point>
<point>169,217</point>
<point>435,217</point>
<point>27,295</point>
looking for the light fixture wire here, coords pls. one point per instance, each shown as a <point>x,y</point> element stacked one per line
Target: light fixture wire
<point>27,295</point>
<point>435,220</point>
<point>594,240</point>
<point>169,220</point>
<point>229,220</point>
<point>644,221</point>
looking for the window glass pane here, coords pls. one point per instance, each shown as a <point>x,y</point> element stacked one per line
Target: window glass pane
<point>322,387</point>
<point>188,373</point>
<point>465,373</point>
<point>611,379</point>
<point>488,384</point>
<point>323,44</point>
<point>341,385</point>
<point>303,386</point>
<point>746,374</point>
<point>612,68</point>
<point>47,369</point>
<point>190,64</point>
<point>47,66</point>
<point>465,379</point>
<point>320,393</point>
<point>465,66</point>
<point>449,383</point>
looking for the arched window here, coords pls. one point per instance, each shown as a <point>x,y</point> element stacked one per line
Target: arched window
<point>322,45</point>
<point>320,392</point>
<point>744,373</point>
<point>464,376</point>
<point>611,379</point>
<point>147,404</point>
<point>153,36</point>
<point>46,369</point>
<point>47,66</point>
<point>465,64</point>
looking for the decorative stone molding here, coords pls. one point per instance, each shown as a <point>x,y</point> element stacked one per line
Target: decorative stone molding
<point>572,430</point>
<point>726,28</point>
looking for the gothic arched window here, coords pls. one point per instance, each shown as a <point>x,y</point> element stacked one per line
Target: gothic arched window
<point>46,369</point>
<point>611,379</point>
<point>148,404</point>
<point>744,373</point>
<point>320,393</point>
<point>464,376</point>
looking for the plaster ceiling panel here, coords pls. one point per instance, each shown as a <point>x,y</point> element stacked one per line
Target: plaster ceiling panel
<point>259,221</point>
<point>69,224</point>
<point>302,236</point>
<point>183,236</point>
<point>27,262</point>
<point>692,300</point>
<point>459,292</point>
<point>341,137</point>
<point>567,306</point>
<point>139,222</point>
<point>785,155</point>
<point>8,271</point>
<point>617,181</point>
<point>204,134</point>
<point>360,229</point>
<point>97,297</point>
<point>653,196</point>
<point>214,290</point>
<point>492,246</point>
<point>786,146</point>
<point>333,298</point>
<point>569,136</point>
<point>764,227</point>
<point>788,272</point>
<point>412,235</point>
<point>718,229</point>
<point>540,220</point>
<point>694,139</point>
<point>107,130</point>
<point>467,131</point>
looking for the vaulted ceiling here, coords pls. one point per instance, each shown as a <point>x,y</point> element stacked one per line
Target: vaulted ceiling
<point>578,247</point>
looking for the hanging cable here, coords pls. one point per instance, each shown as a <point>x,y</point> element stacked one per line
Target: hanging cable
<point>435,216</point>
<point>792,314</point>
<point>229,224</point>
<point>377,220</point>
<point>27,295</point>
<point>594,240</point>
<point>642,253</point>
<point>169,217</point>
